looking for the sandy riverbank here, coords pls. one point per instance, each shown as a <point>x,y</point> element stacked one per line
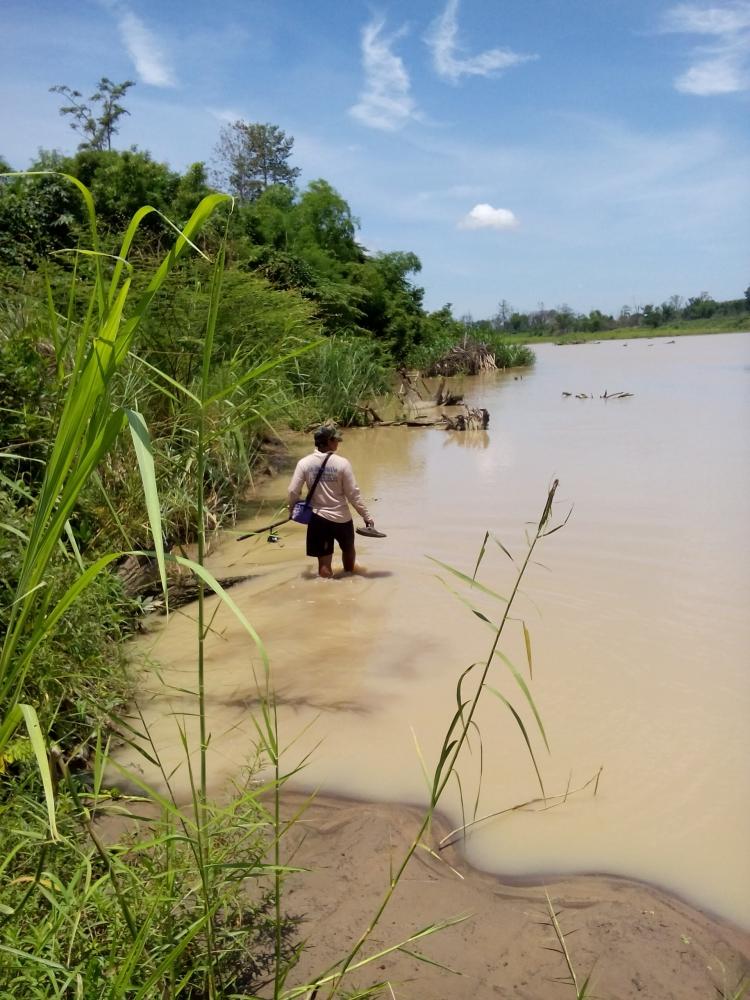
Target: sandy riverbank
<point>640,942</point>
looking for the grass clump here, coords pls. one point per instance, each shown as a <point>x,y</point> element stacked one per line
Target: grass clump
<point>335,378</point>
<point>81,920</point>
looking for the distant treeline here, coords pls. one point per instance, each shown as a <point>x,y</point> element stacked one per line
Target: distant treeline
<point>563,320</point>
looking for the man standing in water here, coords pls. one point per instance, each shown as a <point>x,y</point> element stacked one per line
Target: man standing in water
<point>331,519</point>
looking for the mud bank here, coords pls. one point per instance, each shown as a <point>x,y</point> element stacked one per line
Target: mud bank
<point>640,942</point>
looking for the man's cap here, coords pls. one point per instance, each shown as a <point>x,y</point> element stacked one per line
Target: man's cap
<point>326,433</point>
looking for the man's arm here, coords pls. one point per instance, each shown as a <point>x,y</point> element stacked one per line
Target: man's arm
<point>352,494</point>
<point>295,485</point>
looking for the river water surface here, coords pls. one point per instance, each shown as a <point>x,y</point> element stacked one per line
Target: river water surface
<point>637,611</point>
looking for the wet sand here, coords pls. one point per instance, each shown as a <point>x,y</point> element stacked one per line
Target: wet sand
<point>635,940</point>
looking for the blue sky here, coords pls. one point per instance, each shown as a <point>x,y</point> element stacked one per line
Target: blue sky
<point>592,152</point>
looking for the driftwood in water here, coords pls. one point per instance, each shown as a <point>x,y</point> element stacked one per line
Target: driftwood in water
<point>140,578</point>
<point>604,395</point>
<point>371,415</point>
<point>444,398</point>
<point>472,420</point>
<point>408,390</point>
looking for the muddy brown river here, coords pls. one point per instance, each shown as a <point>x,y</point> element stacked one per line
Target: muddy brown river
<point>637,612</point>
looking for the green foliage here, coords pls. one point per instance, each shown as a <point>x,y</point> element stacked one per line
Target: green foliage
<point>331,381</point>
<point>86,921</point>
<point>37,217</point>
<point>28,388</point>
<point>79,674</point>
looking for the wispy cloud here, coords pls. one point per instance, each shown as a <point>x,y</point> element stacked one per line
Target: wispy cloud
<point>449,63</point>
<point>484,216</point>
<point>722,63</point>
<point>150,63</point>
<point>386,102</point>
<point>225,115</point>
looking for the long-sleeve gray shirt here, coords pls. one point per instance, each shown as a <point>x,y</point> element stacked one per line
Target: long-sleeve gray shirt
<point>335,487</point>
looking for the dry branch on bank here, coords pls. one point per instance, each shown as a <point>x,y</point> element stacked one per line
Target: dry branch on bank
<point>467,358</point>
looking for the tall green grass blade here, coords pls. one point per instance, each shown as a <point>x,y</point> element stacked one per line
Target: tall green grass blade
<point>482,551</point>
<point>214,584</point>
<point>467,579</point>
<point>35,959</point>
<point>526,693</point>
<point>519,723</point>
<point>501,546</point>
<point>145,457</point>
<point>167,378</point>
<point>527,643</point>
<point>36,738</point>
<point>73,544</point>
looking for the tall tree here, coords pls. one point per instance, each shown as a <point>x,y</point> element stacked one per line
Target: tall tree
<point>252,157</point>
<point>98,120</point>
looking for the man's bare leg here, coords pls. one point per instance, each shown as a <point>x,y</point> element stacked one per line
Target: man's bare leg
<point>348,557</point>
<point>324,567</point>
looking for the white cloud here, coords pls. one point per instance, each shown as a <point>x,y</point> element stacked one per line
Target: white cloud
<point>722,64</point>
<point>145,51</point>
<point>442,39</point>
<point>385,103</point>
<point>713,76</point>
<point>726,20</point>
<point>484,216</point>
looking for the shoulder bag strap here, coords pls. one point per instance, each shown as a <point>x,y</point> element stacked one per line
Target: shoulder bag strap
<point>317,479</point>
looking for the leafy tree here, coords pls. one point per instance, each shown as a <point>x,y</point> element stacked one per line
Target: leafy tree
<point>747,296</point>
<point>192,187</point>
<point>700,306</point>
<point>392,305</point>
<point>269,219</point>
<point>565,318</point>
<point>652,316</point>
<point>96,124</point>
<point>325,221</point>
<point>254,156</point>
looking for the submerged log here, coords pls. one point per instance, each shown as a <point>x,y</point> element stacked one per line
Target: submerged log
<point>140,578</point>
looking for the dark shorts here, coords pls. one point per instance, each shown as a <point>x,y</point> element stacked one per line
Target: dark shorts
<point>322,533</point>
